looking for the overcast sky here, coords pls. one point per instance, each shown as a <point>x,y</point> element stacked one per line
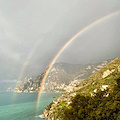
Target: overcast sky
<point>33,31</point>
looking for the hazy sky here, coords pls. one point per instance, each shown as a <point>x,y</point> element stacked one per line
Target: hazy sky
<point>33,31</point>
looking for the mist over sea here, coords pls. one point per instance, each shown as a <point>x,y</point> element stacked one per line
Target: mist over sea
<point>22,106</point>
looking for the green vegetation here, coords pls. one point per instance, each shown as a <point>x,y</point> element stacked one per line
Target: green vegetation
<point>96,81</point>
<point>100,105</point>
<point>95,108</point>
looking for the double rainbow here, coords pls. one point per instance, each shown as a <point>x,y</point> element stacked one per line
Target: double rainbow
<point>67,44</point>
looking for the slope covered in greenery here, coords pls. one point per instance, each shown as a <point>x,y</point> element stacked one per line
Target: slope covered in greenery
<point>96,98</point>
<point>105,76</point>
<point>98,107</point>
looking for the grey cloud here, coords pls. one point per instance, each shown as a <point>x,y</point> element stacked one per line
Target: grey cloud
<point>50,24</point>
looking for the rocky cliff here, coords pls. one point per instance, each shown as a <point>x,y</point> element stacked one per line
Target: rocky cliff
<point>30,84</point>
<point>63,77</point>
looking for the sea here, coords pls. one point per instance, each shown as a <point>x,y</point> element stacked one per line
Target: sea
<point>22,106</point>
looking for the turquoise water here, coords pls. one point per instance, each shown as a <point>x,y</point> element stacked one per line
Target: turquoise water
<point>22,106</point>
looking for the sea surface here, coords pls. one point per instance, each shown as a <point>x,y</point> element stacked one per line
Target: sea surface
<point>22,106</point>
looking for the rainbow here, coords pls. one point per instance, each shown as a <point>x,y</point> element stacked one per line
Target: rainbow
<point>26,63</point>
<point>67,44</point>
<point>24,67</point>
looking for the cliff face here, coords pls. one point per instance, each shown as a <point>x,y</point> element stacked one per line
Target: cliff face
<point>97,97</point>
<point>63,77</point>
<point>31,84</point>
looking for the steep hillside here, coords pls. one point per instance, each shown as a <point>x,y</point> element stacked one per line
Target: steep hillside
<point>63,77</point>
<point>105,76</point>
<point>96,98</point>
<point>31,84</point>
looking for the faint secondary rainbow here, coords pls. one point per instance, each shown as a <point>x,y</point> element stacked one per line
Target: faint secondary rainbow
<point>27,61</point>
<point>69,42</point>
<point>24,67</point>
